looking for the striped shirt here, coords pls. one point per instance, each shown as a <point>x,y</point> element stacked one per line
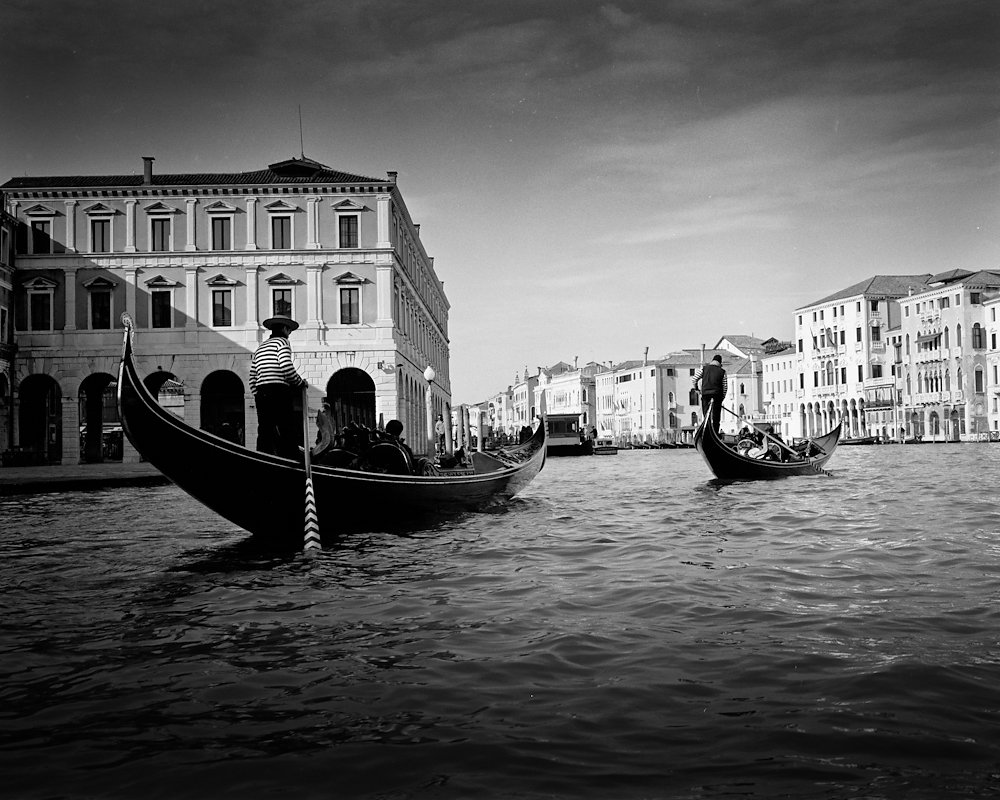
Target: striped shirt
<point>725,381</point>
<point>272,363</point>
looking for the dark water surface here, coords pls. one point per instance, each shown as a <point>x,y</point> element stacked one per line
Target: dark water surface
<point>626,629</point>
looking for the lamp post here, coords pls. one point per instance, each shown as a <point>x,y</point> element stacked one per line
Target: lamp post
<point>429,377</point>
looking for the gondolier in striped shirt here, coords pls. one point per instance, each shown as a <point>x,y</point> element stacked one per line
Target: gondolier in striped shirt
<point>273,383</point>
<point>711,381</point>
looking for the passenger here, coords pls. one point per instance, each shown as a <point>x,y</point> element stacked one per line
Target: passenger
<point>395,430</point>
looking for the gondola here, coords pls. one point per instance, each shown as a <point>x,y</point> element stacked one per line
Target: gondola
<point>728,464</point>
<point>264,494</point>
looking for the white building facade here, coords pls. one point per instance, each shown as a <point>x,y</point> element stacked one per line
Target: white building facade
<point>199,261</point>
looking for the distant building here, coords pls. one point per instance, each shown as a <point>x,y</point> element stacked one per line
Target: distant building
<point>199,261</point>
<point>945,351</point>
<point>844,371</point>
<point>566,389</point>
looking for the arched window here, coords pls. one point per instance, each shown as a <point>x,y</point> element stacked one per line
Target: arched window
<point>829,373</point>
<point>907,344</point>
<point>947,381</point>
<point>958,336</point>
<point>978,337</point>
<point>979,377</point>
<point>946,339</point>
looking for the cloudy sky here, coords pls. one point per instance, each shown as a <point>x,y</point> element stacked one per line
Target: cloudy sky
<point>592,178</point>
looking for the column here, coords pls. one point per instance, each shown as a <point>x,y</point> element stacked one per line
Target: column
<point>132,294</point>
<point>253,298</point>
<point>70,277</point>
<point>251,223</point>
<point>130,225</point>
<point>191,306</point>
<point>312,223</point>
<point>383,210</point>
<point>191,243</point>
<point>314,300</point>
<point>71,226</point>
<point>383,294</point>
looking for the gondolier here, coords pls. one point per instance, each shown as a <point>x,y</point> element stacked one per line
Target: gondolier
<point>273,383</point>
<point>713,386</point>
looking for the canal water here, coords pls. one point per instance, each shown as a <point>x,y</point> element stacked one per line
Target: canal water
<point>628,628</point>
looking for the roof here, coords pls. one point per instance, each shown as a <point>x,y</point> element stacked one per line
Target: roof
<point>877,286</point>
<point>984,277</point>
<point>291,171</point>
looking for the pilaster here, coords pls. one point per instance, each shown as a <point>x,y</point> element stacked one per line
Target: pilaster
<point>71,226</point>
<point>70,277</point>
<point>251,223</point>
<point>191,244</point>
<point>130,204</point>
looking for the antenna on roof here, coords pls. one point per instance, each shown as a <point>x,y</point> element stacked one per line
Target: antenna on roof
<point>302,145</point>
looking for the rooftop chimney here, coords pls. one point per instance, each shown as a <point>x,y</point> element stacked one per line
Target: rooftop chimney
<point>392,176</point>
<point>147,170</point>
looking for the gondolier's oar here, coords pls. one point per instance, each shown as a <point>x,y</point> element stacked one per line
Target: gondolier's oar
<point>312,543</point>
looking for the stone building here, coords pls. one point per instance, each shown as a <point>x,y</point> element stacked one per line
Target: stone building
<point>7,346</point>
<point>199,261</point>
<point>844,372</point>
<point>945,352</point>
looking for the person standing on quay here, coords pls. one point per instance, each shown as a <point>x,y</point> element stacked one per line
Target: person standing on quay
<point>273,381</point>
<point>713,387</point>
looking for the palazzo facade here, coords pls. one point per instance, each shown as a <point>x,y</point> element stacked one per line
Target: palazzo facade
<point>199,261</point>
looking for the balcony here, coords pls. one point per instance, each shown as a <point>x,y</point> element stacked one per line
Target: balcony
<point>878,347</point>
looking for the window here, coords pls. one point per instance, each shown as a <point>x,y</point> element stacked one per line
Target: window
<point>222,233</point>
<point>281,232</point>
<point>5,257</point>
<point>348,224</point>
<point>159,234</point>
<point>980,387</point>
<point>978,337</point>
<point>874,305</point>
<point>41,236</point>
<point>876,333</point>
<point>350,306</point>
<point>100,235</point>
<point>161,308</point>
<point>958,336</point>
<point>843,337</point>
<point>222,308</point>
<point>100,310</point>
<point>800,345</point>
<point>861,372</point>
<point>975,298</point>
<point>843,375</point>
<point>40,309</point>
<point>876,370</point>
<point>4,320</point>
<point>281,302</point>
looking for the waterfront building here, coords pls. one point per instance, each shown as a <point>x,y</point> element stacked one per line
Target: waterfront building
<point>944,356</point>
<point>992,310</point>
<point>7,347</point>
<point>565,389</point>
<point>779,379</point>
<point>199,261</point>
<point>524,410</point>
<point>843,370</point>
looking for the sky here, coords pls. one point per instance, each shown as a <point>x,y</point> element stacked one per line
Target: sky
<point>592,179</point>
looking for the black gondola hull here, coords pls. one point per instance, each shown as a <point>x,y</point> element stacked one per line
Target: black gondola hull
<point>265,494</point>
<point>729,465</point>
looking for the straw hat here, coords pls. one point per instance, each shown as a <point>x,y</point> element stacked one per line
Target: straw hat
<point>281,320</point>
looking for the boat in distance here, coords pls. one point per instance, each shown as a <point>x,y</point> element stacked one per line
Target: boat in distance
<point>564,436</point>
<point>265,494</point>
<point>729,464</point>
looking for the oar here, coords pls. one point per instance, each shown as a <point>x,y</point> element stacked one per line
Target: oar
<point>312,543</point>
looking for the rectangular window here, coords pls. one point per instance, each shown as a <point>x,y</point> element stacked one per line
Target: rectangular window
<point>222,233</point>
<point>281,233</point>
<point>161,310</point>
<point>349,230</point>
<point>281,302</point>
<point>222,308</point>
<point>843,337</point>
<point>40,311</point>
<point>876,334</point>
<point>843,375</point>
<point>100,236</point>
<point>975,298</point>
<point>5,336</point>
<point>876,370</point>
<point>861,372</point>
<point>5,256</point>
<point>100,311</point>
<point>41,236</point>
<point>800,345</point>
<point>159,235</point>
<point>350,306</point>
